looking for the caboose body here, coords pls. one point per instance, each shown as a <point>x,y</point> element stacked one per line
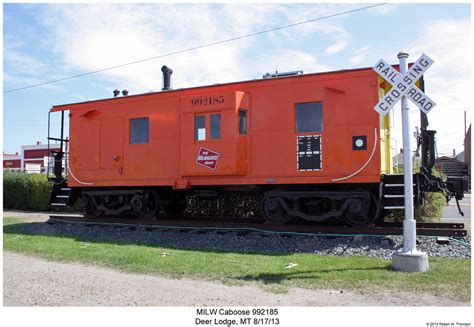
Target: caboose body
<point>308,146</point>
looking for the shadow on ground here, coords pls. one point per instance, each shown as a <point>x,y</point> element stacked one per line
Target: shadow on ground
<point>230,242</point>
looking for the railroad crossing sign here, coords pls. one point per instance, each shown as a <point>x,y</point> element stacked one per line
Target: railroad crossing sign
<point>404,84</point>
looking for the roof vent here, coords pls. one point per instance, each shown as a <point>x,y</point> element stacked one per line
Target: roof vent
<point>166,78</point>
<point>116,93</point>
<point>284,74</point>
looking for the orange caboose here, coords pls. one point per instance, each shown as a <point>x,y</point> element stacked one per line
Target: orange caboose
<point>287,145</point>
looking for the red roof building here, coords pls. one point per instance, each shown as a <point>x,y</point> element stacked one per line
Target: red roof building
<point>11,161</point>
<point>32,159</point>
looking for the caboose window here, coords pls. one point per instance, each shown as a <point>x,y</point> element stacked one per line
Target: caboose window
<point>309,117</point>
<point>200,128</point>
<point>215,127</point>
<point>242,121</point>
<point>139,130</point>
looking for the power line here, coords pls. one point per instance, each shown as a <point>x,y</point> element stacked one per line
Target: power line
<point>460,91</point>
<point>33,124</point>
<point>199,47</point>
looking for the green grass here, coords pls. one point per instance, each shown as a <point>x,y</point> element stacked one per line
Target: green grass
<point>446,277</point>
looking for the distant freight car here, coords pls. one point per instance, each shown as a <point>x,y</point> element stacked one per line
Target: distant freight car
<point>288,145</point>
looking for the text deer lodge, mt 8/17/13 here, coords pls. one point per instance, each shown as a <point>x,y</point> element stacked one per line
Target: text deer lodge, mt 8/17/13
<point>232,317</point>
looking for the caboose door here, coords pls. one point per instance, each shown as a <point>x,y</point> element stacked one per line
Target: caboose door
<point>214,134</point>
<point>111,146</point>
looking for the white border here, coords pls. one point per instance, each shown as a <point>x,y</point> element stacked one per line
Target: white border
<point>320,152</point>
<point>217,162</point>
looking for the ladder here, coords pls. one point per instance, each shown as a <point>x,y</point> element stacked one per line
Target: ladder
<point>60,196</point>
<point>393,191</point>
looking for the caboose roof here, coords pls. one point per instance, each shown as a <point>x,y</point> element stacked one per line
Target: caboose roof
<point>210,86</point>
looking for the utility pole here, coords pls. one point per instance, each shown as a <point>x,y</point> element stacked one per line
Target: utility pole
<point>465,124</point>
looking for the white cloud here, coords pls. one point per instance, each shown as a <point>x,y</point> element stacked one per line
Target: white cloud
<point>289,60</point>
<point>338,46</point>
<point>338,34</point>
<point>106,35</point>
<point>360,55</point>
<point>25,81</point>
<point>448,43</point>
<point>22,68</point>
<point>448,80</point>
<point>20,62</point>
<point>386,8</point>
<point>97,36</point>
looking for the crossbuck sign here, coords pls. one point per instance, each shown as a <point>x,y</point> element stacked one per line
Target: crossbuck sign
<point>404,85</point>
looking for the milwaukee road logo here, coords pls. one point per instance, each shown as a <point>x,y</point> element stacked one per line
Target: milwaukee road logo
<point>207,158</point>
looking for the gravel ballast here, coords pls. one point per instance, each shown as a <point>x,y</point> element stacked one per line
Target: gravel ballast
<point>254,241</point>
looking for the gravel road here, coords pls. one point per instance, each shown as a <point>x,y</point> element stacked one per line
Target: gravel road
<point>29,281</point>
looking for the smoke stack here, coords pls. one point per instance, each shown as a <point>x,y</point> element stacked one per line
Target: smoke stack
<point>116,93</point>
<point>166,77</point>
<point>454,152</point>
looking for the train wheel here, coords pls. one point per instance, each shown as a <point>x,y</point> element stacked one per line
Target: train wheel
<point>273,211</point>
<point>146,206</point>
<point>90,208</point>
<point>357,216</point>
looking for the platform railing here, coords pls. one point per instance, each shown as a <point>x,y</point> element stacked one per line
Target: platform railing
<point>56,171</point>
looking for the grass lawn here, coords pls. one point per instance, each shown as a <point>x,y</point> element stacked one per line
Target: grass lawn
<point>446,277</point>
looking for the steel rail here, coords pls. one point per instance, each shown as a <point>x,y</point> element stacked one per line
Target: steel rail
<point>426,229</point>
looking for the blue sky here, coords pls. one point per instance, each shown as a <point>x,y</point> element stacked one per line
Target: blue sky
<point>46,42</point>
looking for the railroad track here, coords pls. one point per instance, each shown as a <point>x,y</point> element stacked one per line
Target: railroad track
<point>428,229</point>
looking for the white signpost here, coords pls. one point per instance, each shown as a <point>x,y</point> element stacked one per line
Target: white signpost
<point>403,86</point>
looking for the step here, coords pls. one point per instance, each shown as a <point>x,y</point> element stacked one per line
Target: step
<point>395,195</point>
<point>396,185</point>
<point>393,202</point>
<point>58,204</point>
<point>62,196</point>
<point>393,179</point>
<point>65,188</point>
<point>394,207</point>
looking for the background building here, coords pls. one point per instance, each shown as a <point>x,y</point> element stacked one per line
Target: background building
<point>457,165</point>
<point>467,150</point>
<point>451,166</point>
<point>32,159</point>
<point>11,161</point>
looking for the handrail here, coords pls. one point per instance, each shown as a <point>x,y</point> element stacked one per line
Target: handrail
<point>57,171</point>
<point>58,139</point>
<point>77,180</point>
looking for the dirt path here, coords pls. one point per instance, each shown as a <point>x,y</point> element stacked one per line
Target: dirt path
<point>29,281</point>
<point>32,215</point>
